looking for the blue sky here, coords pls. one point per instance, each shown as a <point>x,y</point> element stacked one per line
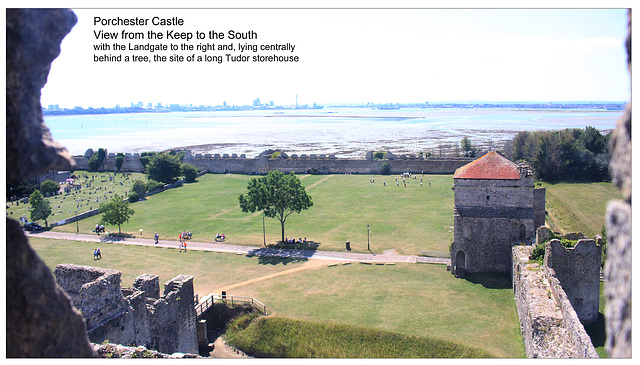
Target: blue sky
<point>363,55</point>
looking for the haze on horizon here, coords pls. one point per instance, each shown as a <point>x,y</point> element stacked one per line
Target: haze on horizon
<point>365,55</point>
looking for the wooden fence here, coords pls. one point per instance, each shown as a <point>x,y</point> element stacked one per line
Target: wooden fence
<point>229,300</point>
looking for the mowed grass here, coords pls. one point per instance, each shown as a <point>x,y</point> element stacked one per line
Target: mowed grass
<point>211,270</point>
<point>412,299</point>
<point>579,207</point>
<point>405,219</point>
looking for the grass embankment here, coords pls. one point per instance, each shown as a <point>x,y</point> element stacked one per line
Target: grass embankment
<point>578,207</point>
<point>287,338</point>
<point>415,300</point>
<point>405,219</point>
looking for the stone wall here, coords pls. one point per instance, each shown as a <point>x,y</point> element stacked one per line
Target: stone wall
<point>549,324</point>
<point>216,163</point>
<point>539,207</point>
<point>577,271</point>
<point>137,315</point>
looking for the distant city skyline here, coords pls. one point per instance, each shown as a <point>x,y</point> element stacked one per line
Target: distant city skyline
<point>361,56</point>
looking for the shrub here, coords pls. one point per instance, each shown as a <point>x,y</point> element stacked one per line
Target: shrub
<point>139,190</point>
<point>189,172</point>
<point>133,197</point>
<point>153,185</point>
<point>378,155</point>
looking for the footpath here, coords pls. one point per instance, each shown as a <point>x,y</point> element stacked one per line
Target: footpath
<point>387,256</point>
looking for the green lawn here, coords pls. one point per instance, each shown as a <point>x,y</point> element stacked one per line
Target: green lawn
<point>406,219</point>
<point>580,207</point>
<point>414,299</point>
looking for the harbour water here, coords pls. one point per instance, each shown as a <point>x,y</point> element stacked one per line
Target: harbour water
<point>344,132</point>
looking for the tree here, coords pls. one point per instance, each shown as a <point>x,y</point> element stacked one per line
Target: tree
<point>95,161</point>
<point>277,195</point>
<point>189,172</point>
<point>116,211</point>
<point>49,187</point>
<point>467,148</point>
<point>385,168</point>
<point>164,167</point>
<point>119,160</point>
<point>40,208</point>
<point>138,191</point>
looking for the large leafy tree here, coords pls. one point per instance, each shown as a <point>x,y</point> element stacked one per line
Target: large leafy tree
<point>49,187</point>
<point>116,212</point>
<point>164,167</point>
<point>40,208</point>
<point>277,195</point>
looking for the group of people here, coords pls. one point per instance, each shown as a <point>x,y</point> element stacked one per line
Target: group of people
<point>185,235</point>
<point>96,254</point>
<point>99,228</point>
<point>293,240</point>
<point>182,241</point>
<point>220,237</point>
<point>404,181</point>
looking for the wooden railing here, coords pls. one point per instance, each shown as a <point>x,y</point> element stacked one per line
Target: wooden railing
<point>229,300</point>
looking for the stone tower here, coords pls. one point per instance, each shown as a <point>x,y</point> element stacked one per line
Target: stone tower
<point>494,208</point>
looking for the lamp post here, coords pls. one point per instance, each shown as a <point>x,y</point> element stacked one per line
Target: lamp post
<point>368,234</point>
<point>264,236</point>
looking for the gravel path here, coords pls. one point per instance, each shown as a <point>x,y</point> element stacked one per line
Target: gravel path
<point>387,256</point>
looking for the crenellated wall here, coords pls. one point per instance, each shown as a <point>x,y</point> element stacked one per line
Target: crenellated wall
<point>313,163</point>
<point>549,323</point>
<point>137,315</point>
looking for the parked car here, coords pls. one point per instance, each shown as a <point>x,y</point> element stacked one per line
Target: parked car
<point>31,226</point>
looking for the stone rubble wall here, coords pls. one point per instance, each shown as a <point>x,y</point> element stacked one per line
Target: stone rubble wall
<point>166,323</point>
<point>216,163</point>
<point>549,324</point>
<point>577,271</point>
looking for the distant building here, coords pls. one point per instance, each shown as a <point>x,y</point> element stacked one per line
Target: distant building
<point>256,102</point>
<point>495,207</point>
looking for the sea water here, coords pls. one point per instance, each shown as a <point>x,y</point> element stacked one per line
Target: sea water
<point>344,132</point>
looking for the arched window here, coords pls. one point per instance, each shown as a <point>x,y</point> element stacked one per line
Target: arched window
<point>523,232</point>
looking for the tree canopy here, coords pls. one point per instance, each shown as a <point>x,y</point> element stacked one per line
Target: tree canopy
<point>189,172</point>
<point>568,154</point>
<point>116,212</point>
<point>49,187</point>
<point>164,167</point>
<point>40,207</point>
<point>277,195</point>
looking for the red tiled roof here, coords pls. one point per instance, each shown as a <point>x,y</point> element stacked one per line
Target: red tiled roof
<point>490,166</point>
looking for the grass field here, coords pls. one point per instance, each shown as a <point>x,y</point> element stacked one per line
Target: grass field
<point>419,300</point>
<point>579,207</point>
<point>405,219</point>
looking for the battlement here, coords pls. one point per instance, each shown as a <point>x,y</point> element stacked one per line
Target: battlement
<point>551,310</point>
<point>298,163</point>
<point>137,315</point>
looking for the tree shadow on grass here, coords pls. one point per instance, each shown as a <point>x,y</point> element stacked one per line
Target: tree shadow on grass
<point>285,253</point>
<point>115,237</point>
<point>491,280</point>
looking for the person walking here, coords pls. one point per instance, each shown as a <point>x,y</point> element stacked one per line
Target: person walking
<point>98,254</point>
<point>156,237</point>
